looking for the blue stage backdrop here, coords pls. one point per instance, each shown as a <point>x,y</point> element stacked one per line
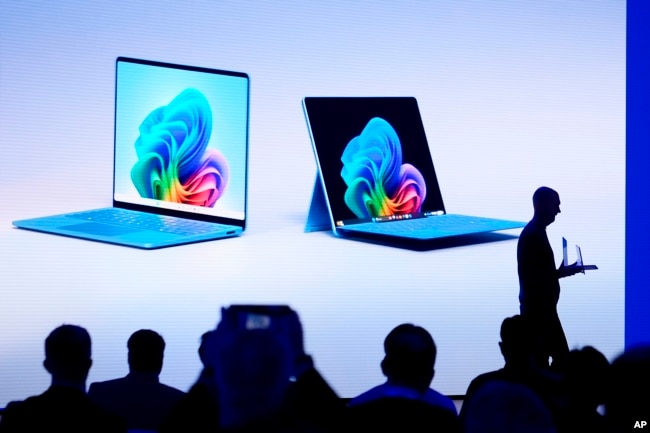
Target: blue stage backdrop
<point>514,94</point>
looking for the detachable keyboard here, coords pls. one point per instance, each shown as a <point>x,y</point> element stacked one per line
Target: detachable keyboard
<point>432,227</point>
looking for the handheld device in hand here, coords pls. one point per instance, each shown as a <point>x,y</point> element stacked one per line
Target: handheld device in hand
<point>580,262</point>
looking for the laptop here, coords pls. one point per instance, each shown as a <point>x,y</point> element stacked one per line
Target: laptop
<point>376,179</point>
<point>581,264</point>
<point>579,261</point>
<point>180,159</point>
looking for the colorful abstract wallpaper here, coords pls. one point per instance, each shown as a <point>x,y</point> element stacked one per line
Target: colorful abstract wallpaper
<point>174,163</point>
<point>379,184</point>
<point>181,139</point>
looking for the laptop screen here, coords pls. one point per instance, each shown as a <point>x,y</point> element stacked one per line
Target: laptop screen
<point>181,137</point>
<point>373,157</point>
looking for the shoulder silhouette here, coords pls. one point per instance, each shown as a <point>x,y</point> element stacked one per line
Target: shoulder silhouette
<point>139,397</point>
<point>405,402</point>
<point>64,406</point>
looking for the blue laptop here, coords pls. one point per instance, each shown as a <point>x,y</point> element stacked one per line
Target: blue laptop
<point>376,179</point>
<point>180,159</point>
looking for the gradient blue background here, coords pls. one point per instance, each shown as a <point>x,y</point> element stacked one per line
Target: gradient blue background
<point>514,94</point>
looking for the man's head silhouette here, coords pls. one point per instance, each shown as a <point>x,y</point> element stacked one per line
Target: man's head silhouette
<point>67,355</point>
<point>546,203</point>
<point>410,357</point>
<point>146,350</point>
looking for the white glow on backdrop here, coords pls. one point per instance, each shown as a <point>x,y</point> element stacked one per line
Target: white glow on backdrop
<point>514,94</point>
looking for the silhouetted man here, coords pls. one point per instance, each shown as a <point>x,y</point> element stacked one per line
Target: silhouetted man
<point>197,411</point>
<point>507,407</point>
<point>139,398</point>
<point>520,367</point>
<point>405,402</point>
<point>539,287</point>
<point>64,407</point>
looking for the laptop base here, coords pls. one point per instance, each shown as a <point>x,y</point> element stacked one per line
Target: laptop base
<point>430,244</point>
<point>129,236</point>
<point>319,219</point>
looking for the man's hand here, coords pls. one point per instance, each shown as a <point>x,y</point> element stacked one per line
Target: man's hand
<point>567,271</point>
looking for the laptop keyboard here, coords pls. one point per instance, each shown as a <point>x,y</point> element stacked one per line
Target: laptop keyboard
<point>142,220</point>
<point>447,224</point>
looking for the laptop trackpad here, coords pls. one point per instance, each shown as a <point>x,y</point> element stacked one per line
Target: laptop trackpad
<point>100,229</point>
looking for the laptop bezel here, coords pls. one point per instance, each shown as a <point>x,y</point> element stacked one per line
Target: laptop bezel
<point>171,212</point>
<point>432,180</point>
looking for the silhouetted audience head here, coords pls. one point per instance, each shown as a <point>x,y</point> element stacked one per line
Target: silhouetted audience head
<point>146,351</point>
<point>198,410</point>
<point>507,407</point>
<point>64,406</point>
<point>410,357</point>
<point>206,349</point>
<point>516,339</point>
<point>521,366</point>
<point>67,355</point>
<point>628,399</point>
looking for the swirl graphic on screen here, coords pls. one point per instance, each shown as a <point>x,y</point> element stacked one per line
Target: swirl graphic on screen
<point>378,184</point>
<point>174,163</point>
